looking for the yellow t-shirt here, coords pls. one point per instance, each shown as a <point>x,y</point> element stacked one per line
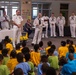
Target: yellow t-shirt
<point>0,52</point>
<point>12,63</point>
<point>67,45</point>
<point>35,58</point>
<point>47,48</point>
<point>10,47</point>
<point>18,51</point>
<point>62,51</point>
<point>75,49</point>
<point>21,48</point>
<point>73,46</point>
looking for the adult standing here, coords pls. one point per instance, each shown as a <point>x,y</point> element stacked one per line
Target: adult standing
<point>72,20</point>
<point>17,25</point>
<point>52,22</point>
<point>5,21</point>
<point>46,19</point>
<point>38,23</point>
<point>61,23</point>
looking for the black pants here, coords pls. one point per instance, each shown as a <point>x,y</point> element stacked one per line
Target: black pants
<point>29,31</point>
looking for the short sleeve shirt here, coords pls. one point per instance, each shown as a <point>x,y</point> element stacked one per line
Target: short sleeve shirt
<point>4,70</point>
<point>17,19</point>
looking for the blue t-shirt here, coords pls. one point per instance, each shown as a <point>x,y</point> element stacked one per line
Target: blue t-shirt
<point>24,66</point>
<point>68,58</point>
<point>39,68</point>
<point>69,68</point>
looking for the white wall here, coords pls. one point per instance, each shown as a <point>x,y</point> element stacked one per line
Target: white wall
<point>55,8</point>
<point>72,7</point>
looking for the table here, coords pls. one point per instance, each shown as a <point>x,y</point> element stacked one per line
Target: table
<point>6,32</point>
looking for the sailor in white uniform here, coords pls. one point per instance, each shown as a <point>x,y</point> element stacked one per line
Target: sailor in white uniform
<point>46,19</point>
<point>5,21</point>
<point>72,20</point>
<point>17,25</point>
<point>52,22</point>
<point>38,23</point>
<point>61,23</point>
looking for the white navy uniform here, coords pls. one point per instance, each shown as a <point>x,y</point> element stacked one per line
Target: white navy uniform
<point>5,24</point>
<point>38,30</point>
<point>17,31</point>
<point>46,18</point>
<point>52,22</point>
<point>61,23</point>
<point>72,20</point>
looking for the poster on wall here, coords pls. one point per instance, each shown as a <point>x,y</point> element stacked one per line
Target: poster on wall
<point>26,15</point>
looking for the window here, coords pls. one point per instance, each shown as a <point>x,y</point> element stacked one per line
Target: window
<point>40,7</point>
<point>35,11</point>
<point>1,11</point>
<point>10,6</point>
<point>64,11</point>
<point>63,6</point>
<point>5,8</point>
<point>14,8</point>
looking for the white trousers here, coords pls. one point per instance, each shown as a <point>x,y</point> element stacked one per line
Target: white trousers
<point>72,29</point>
<point>46,32</point>
<point>52,28</point>
<point>37,36</point>
<point>16,35</point>
<point>61,30</point>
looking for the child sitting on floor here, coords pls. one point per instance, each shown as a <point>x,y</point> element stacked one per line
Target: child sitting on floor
<point>23,44</point>
<point>3,68</point>
<point>49,43</point>
<point>41,49</point>
<point>62,50</point>
<point>44,68</point>
<point>35,55</point>
<point>18,48</point>
<point>71,50</point>
<point>12,62</point>
<point>44,59</point>
<point>27,58</point>
<point>55,51</point>
<point>18,71</point>
<point>52,59</point>
<point>21,64</point>
<point>8,45</point>
<point>6,57</point>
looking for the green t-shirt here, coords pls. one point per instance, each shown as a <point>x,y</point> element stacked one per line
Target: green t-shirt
<point>5,60</point>
<point>4,70</point>
<point>32,67</point>
<point>53,60</point>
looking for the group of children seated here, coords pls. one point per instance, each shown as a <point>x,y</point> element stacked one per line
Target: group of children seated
<point>39,61</point>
